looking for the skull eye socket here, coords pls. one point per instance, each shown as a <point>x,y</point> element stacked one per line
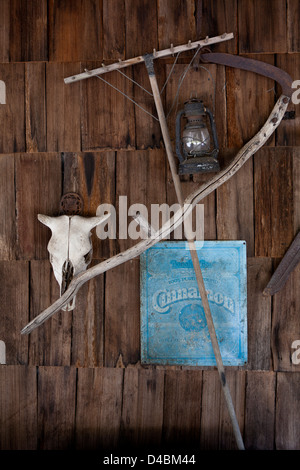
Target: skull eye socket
<point>88,257</point>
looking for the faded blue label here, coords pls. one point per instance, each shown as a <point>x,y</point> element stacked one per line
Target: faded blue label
<point>173,324</point>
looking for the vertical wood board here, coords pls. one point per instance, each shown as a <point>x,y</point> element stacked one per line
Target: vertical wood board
<point>38,191</point>
<point>18,410</point>
<point>260,410</point>
<point>98,409</point>
<point>7,208</point>
<point>14,301</point>
<point>56,408</point>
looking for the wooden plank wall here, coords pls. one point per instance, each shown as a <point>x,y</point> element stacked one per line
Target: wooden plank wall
<point>76,382</point>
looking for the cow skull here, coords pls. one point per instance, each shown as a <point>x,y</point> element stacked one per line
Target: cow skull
<point>70,246</point>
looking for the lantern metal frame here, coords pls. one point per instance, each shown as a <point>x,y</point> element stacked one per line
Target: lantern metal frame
<point>204,162</point>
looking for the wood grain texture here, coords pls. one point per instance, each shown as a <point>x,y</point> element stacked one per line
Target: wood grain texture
<point>259,271</point>
<point>288,133</point>
<point>107,117</point>
<point>23,27</point>
<point>63,105</point>
<point>75,30</point>
<point>38,190</point>
<point>56,408</point>
<point>87,347</point>
<point>293,25</point>
<point>176,22</point>
<point>243,121</point>
<point>147,128</point>
<point>14,309</point>
<point>214,17</point>
<point>235,211</point>
<point>113,29</point>
<point>285,323</point>
<point>141,35</point>
<point>35,105</point>
<point>92,176</point>
<point>51,346</point>
<point>7,208</point>
<point>287,435</point>
<point>142,411</point>
<point>182,407</point>
<point>18,411</point>
<point>273,201</point>
<point>122,315</point>
<point>216,429</point>
<point>254,19</point>
<point>12,114</point>
<point>260,410</point>
<point>141,177</point>
<point>99,408</point>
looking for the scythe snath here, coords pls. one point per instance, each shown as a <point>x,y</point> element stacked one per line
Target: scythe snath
<point>249,149</point>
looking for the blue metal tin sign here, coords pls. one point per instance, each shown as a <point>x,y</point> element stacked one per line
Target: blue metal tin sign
<point>173,325</point>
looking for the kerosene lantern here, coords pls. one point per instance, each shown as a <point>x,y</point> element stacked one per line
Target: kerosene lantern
<point>196,151</point>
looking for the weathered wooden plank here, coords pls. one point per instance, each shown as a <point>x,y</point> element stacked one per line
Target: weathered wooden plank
<point>92,175</point>
<point>7,208</point>
<point>63,108</point>
<point>282,272</point>
<point>273,201</point>
<point>214,17</point>
<point>18,411</point>
<point>98,408</point>
<point>209,204</point>
<point>35,104</point>
<point>182,407</point>
<point>288,133</point>
<point>14,309</point>
<point>122,315</point>
<point>12,113</point>
<point>235,212</point>
<point>51,344</point>
<point>56,408</point>
<point>107,118</point>
<point>259,271</point>
<point>113,29</point>
<point>176,22</point>
<point>285,323</point>
<point>142,411</point>
<point>254,19</point>
<point>147,128</point>
<point>243,122</point>
<point>287,435</point>
<point>260,410</point>
<point>38,190</point>
<point>23,31</point>
<point>140,176</point>
<point>88,325</point>
<point>293,25</point>
<point>141,23</point>
<point>296,188</point>
<point>75,30</point>
<point>216,429</point>
<point>4,31</point>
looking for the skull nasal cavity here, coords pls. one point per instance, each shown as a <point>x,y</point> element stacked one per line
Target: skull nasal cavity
<point>67,275</point>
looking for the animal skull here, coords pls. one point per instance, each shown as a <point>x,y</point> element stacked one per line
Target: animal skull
<point>70,246</point>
